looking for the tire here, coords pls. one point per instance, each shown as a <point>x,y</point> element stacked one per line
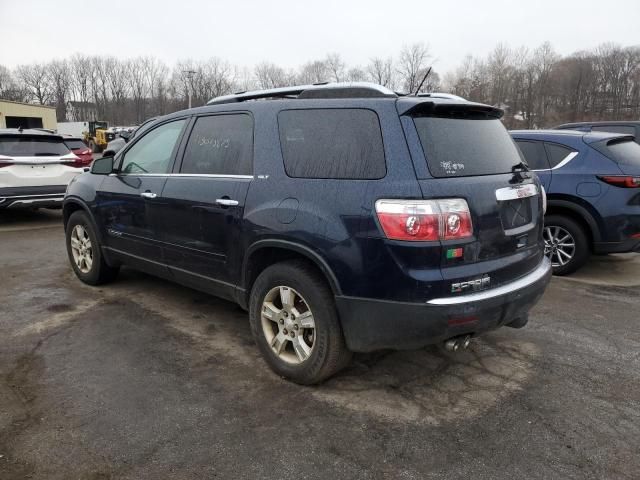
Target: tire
<point>557,227</point>
<point>327,352</point>
<point>93,270</point>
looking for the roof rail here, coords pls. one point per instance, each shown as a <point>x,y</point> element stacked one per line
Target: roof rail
<point>320,90</point>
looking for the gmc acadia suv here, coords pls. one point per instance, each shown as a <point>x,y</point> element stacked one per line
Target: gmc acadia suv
<point>343,217</point>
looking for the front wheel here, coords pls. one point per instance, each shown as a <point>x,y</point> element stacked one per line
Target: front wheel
<point>295,323</point>
<point>84,252</point>
<point>565,243</point>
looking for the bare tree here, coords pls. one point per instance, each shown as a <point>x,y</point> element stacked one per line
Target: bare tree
<point>314,72</point>
<point>36,81</point>
<point>9,89</point>
<point>336,67</point>
<point>412,66</point>
<point>381,71</point>
<point>270,75</point>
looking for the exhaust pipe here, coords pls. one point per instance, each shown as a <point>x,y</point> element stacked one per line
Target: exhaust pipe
<point>457,343</point>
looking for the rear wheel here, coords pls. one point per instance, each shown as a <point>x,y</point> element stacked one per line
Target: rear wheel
<point>565,243</point>
<point>295,323</point>
<point>84,252</point>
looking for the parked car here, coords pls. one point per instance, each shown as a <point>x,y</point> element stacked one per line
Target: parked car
<point>343,217</point>
<point>625,127</point>
<point>118,143</point>
<point>80,150</point>
<point>593,189</point>
<point>35,168</point>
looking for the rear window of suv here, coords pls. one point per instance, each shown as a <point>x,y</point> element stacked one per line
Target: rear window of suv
<point>75,144</point>
<point>466,145</point>
<point>26,146</point>
<point>621,150</point>
<point>332,143</point>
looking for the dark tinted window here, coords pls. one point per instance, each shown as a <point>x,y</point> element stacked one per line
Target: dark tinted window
<point>32,146</point>
<point>628,130</point>
<point>556,153</point>
<point>75,144</point>
<point>332,143</point>
<point>534,154</point>
<point>459,147</point>
<point>154,151</point>
<point>623,151</point>
<point>220,145</point>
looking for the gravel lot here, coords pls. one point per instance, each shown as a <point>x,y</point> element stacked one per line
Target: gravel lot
<point>145,379</point>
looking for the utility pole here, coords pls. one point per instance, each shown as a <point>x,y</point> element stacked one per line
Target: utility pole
<point>189,74</point>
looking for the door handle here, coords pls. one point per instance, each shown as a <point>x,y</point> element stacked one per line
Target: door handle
<point>226,202</point>
<point>148,195</point>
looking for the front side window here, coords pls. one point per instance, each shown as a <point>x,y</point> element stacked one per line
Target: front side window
<point>332,143</point>
<point>153,152</point>
<point>220,145</point>
<point>534,154</point>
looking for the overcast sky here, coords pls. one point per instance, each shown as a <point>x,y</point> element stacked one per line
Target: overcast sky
<point>290,32</point>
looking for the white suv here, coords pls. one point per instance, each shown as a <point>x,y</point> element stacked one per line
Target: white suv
<point>35,168</point>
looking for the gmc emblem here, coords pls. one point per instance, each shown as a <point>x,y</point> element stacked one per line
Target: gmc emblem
<point>471,285</point>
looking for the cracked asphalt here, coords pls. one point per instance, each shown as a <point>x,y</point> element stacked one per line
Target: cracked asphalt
<point>144,379</point>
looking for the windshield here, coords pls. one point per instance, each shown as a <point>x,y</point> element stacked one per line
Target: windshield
<point>32,146</point>
<point>466,146</point>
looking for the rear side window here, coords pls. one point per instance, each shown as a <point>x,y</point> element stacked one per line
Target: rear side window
<point>220,145</point>
<point>75,144</point>
<point>332,143</point>
<point>32,146</point>
<point>464,146</point>
<point>623,151</point>
<point>534,154</point>
<point>557,153</point>
<point>627,130</point>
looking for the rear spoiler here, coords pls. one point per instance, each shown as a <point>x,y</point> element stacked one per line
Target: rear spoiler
<point>453,108</point>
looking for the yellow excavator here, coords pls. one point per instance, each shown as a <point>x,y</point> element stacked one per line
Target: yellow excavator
<point>98,136</point>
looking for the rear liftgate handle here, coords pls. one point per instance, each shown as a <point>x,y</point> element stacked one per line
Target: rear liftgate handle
<point>226,202</point>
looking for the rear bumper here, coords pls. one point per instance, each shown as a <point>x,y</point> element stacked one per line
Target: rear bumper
<point>25,197</point>
<point>370,324</point>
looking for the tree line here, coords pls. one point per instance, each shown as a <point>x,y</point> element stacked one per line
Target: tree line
<point>536,87</point>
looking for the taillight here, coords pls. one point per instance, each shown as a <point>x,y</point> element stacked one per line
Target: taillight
<point>623,181</point>
<point>425,220</point>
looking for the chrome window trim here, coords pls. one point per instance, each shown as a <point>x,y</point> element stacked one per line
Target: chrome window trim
<point>562,163</point>
<point>538,274</point>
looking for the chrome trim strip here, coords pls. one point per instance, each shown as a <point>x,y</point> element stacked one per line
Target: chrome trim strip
<point>538,274</point>
<point>42,195</point>
<point>203,175</point>
<point>515,193</point>
<point>35,200</point>
<point>564,161</point>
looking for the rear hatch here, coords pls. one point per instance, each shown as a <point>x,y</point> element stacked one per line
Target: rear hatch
<point>469,155</point>
<point>622,150</point>
<point>35,155</point>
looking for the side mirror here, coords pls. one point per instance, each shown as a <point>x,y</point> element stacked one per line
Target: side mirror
<point>125,136</point>
<point>102,166</point>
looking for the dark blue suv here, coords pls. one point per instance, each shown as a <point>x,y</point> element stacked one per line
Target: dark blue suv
<point>593,189</point>
<point>343,217</point>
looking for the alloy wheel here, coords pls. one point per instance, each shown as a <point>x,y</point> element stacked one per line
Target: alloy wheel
<point>81,248</point>
<point>288,324</point>
<point>559,245</point>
